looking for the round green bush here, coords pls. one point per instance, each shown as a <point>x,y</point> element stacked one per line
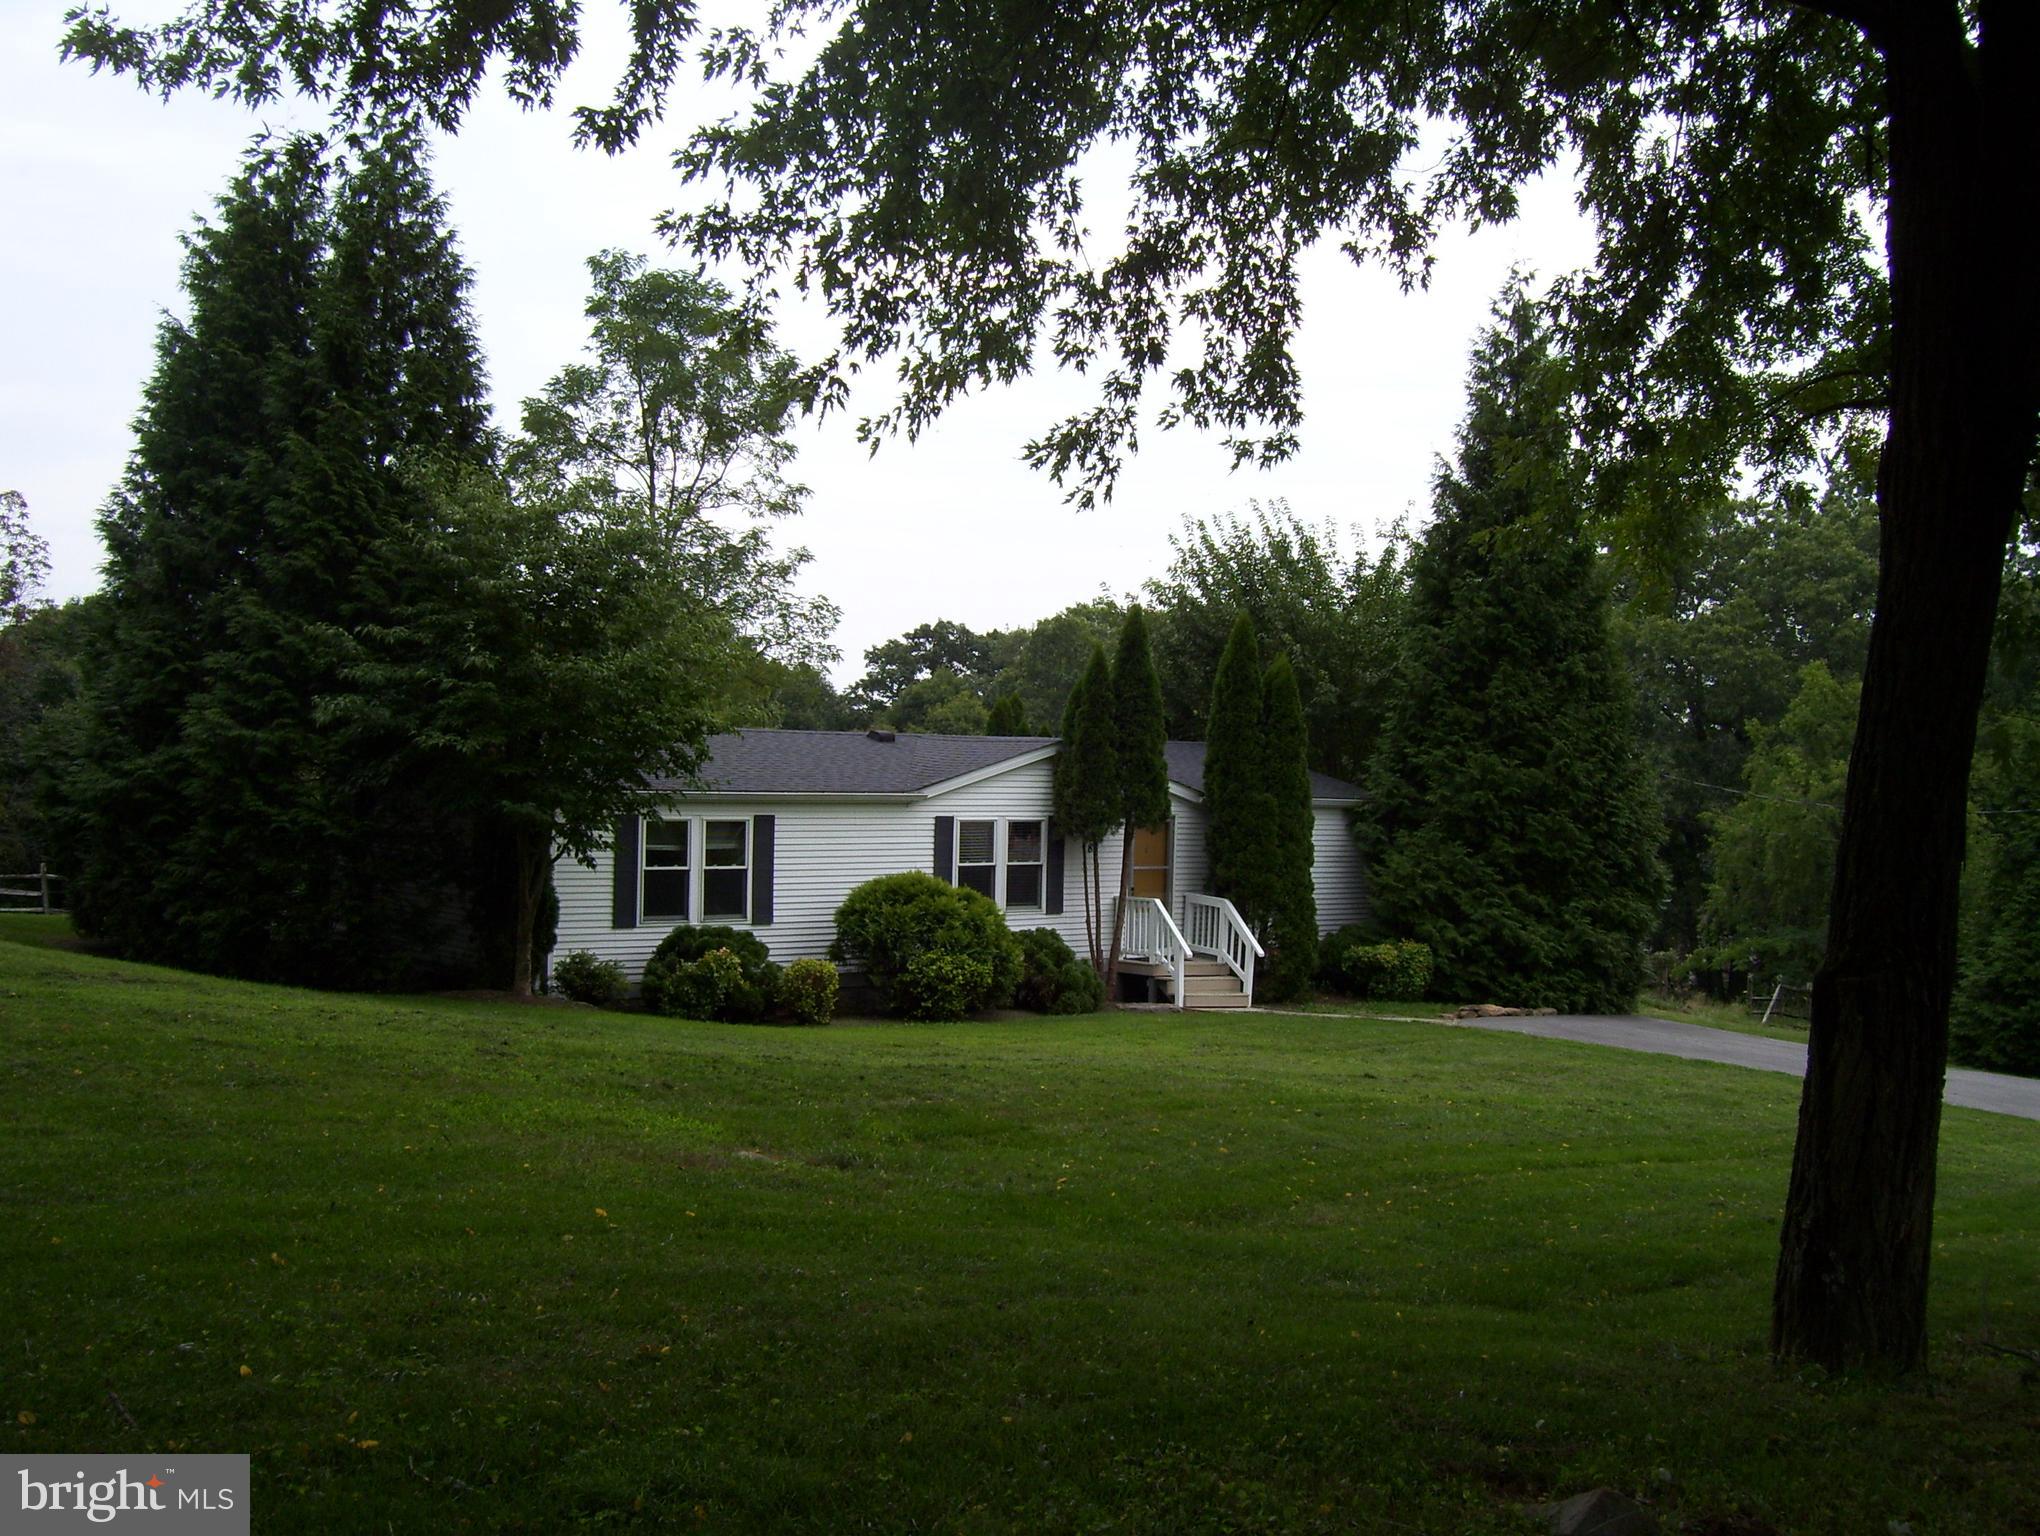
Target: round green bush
<point>682,980</point>
<point>886,925</point>
<point>807,991</point>
<point>1052,978</point>
<point>585,979</point>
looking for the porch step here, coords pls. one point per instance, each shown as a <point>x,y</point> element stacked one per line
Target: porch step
<point>1208,990</point>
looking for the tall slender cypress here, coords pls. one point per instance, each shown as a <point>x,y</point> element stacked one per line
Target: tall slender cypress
<point>1140,736</point>
<point>1238,808</point>
<point>1292,926</point>
<point>1086,799</point>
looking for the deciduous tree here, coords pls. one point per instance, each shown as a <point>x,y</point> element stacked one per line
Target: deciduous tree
<point>681,414</point>
<point>1334,615</point>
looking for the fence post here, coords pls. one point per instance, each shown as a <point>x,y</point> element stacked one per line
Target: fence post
<point>42,879</point>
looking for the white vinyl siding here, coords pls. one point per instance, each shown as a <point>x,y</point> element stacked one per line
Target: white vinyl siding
<point>824,849</point>
<point>1339,875</point>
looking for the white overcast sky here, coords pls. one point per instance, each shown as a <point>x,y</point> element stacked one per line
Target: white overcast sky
<point>97,181</point>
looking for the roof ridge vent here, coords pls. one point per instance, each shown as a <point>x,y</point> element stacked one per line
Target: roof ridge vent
<point>877,735</point>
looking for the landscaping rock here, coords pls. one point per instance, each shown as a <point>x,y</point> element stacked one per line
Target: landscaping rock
<point>1598,1512</point>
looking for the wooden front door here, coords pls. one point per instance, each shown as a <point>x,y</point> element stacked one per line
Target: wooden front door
<point>1152,869</point>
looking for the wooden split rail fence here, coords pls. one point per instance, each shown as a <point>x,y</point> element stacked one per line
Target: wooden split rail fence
<point>31,892</point>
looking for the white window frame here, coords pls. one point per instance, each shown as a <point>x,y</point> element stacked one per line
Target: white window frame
<point>646,869</point>
<point>696,870</point>
<point>743,912</point>
<point>1006,826</point>
<point>1002,834</point>
<point>996,863</point>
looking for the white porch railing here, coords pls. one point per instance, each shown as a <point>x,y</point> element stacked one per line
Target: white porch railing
<point>1151,934</point>
<point>1216,928</point>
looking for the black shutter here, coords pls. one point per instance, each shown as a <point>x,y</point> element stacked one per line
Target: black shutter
<point>1053,896</point>
<point>761,869</point>
<point>945,849</point>
<point>624,889</point>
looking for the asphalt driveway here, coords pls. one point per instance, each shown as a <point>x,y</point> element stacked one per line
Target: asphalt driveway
<point>1992,1091</point>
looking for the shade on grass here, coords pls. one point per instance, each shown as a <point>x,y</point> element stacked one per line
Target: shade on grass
<point>520,1269</point>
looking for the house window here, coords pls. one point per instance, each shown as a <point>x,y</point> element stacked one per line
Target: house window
<point>977,856</point>
<point>1024,847</point>
<point>664,885</point>
<point>726,869</point>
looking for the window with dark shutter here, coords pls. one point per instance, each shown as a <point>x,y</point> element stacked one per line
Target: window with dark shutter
<point>1024,860</point>
<point>977,857</point>
<point>725,869</point>
<point>665,869</point>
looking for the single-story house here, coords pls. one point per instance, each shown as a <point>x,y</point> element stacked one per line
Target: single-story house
<point>784,824</point>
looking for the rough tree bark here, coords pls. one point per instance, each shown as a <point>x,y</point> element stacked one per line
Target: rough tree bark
<point>532,855</point>
<point>1851,1283</point>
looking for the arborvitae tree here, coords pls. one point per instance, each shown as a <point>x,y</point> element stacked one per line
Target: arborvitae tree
<point>216,821</point>
<point>1008,717</point>
<point>1239,811</point>
<point>1140,739</point>
<point>1513,821</point>
<point>1292,926</point>
<point>1087,801</point>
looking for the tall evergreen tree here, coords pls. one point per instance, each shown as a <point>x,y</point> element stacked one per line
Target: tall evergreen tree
<point>1292,926</point>
<point>1239,811</point>
<point>1513,821</point>
<point>1086,800</point>
<point>328,357</point>
<point>1139,739</point>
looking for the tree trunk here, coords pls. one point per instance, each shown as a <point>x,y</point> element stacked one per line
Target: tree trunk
<point>1852,1267</point>
<point>1095,901</point>
<point>529,862</point>
<point>1119,912</point>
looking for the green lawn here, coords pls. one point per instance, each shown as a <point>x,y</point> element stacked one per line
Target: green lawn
<point>465,1266</point>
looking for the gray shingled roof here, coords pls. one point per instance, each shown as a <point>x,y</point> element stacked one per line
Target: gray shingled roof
<point>761,762</point>
<point>1186,767</point>
<point>844,762</point>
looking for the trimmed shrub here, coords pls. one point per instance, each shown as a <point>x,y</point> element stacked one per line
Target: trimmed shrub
<point>1401,969</point>
<point>1333,948</point>
<point>1052,978</point>
<point>585,979</point>
<point>807,991</point>
<point>887,925</point>
<point>678,981</point>
<point>942,985</point>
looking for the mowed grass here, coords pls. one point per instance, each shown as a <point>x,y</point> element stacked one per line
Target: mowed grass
<point>463,1266</point>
